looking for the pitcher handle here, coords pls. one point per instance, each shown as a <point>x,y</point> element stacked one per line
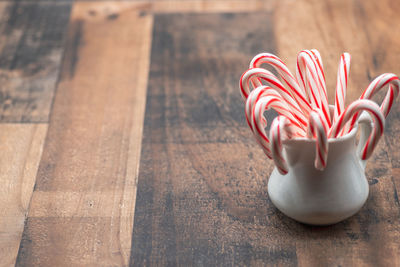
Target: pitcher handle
<point>366,124</point>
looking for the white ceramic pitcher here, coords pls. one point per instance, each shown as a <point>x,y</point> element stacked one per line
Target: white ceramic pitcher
<point>322,197</point>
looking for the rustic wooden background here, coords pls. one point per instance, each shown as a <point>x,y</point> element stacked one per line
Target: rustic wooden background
<point>123,140</point>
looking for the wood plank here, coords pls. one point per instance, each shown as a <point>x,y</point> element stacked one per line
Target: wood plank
<point>31,48</point>
<point>82,207</point>
<point>202,183</point>
<point>21,147</point>
<point>191,208</point>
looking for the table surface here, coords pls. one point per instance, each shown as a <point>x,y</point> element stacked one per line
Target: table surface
<point>123,140</point>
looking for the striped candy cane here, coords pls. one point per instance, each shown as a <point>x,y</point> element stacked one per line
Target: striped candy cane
<point>265,98</point>
<point>341,85</point>
<point>379,123</point>
<point>258,73</point>
<point>287,77</point>
<point>320,69</point>
<point>312,80</point>
<point>252,76</point>
<point>374,87</point>
<point>305,61</point>
<point>281,107</point>
<point>252,98</point>
<point>270,99</point>
<point>318,129</point>
<point>317,55</point>
<point>379,83</point>
<point>280,128</point>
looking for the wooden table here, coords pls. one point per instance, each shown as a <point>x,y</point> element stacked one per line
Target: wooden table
<point>95,173</point>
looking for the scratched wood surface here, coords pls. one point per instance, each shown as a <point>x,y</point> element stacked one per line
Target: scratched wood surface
<point>77,141</point>
<point>82,207</point>
<point>201,196</point>
<point>31,48</point>
<point>21,148</point>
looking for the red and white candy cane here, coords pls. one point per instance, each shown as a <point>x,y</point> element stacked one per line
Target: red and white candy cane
<point>254,96</point>
<point>378,118</point>
<point>251,101</point>
<point>320,69</point>
<point>259,135</point>
<point>386,79</point>
<point>317,55</point>
<point>341,85</point>
<point>267,98</point>
<point>280,128</point>
<point>258,73</point>
<point>311,78</point>
<point>252,76</point>
<point>287,77</point>
<point>270,99</point>
<point>318,129</point>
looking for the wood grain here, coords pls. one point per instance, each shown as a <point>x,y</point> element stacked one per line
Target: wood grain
<point>82,207</point>
<point>191,208</point>
<point>31,48</point>
<point>202,183</point>
<point>21,147</point>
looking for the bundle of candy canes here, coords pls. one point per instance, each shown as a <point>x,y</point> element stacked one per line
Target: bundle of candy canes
<point>302,104</point>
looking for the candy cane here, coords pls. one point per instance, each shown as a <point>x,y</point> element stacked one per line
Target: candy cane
<point>318,129</point>
<point>321,73</point>
<point>374,87</point>
<point>280,126</point>
<point>320,69</point>
<point>317,55</point>
<point>250,103</point>
<point>341,85</point>
<point>258,130</point>
<point>288,79</point>
<point>269,100</point>
<point>379,123</point>
<point>253,74</point>
<point>304,63</point>
<point>253,97</point>
<point>312,80</point>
